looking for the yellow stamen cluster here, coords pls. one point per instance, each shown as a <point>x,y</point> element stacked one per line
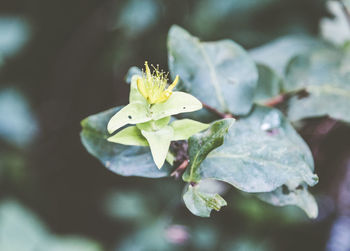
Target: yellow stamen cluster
<point>152,85</point>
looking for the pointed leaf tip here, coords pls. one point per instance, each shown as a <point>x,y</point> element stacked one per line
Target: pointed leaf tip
<point>159,142</point>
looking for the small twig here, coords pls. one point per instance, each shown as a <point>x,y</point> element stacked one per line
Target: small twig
<point>180,169</point>
<point>285,96</point>
<point>345,10</point>
<point>276,100</point>
<point>220,114</point>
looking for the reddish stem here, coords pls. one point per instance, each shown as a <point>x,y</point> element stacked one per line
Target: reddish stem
<point>220,114</point>
<point>180,169</point>
<point>276,100</point>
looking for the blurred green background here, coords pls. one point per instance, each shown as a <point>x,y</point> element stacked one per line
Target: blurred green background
<point>62,60</point>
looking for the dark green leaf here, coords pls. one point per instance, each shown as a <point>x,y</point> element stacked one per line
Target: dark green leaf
<point>260,153</point>
<point>277,53</point>
<point>299,196</point>
<point>219,73</point>
<point>121,159</point>
<point>20,229</point>
<point>325,75</point>
<point>269,84</point>
<point>201,144</point>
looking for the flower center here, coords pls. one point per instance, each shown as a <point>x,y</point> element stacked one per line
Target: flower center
<point>153,85</point>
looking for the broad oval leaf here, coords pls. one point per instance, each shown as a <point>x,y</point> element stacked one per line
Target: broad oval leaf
<point>260,153</point>
<point>277,53</point>
<point>220,73</point>
<point>325,75</point>
<point>202,203</point>
<point>120,159</point>
<point>269,84</point>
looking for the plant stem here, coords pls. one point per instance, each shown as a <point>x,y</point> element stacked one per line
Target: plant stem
<point>276,100</point>
<point>180,169</point>
<point>220,114</point>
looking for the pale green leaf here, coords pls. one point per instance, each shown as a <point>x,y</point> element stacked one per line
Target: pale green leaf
<point>325,75</point>
<point>299,196</point>
<point>201,144</point>
<point>129,136</point>
<point>154,125</point>
<point>220,73</point>
<point>185,128</point>
<point>179,102</point>
<point>120,159</point>
<point>131,114</point>
<point>170,158</point>
<point>202,203</point>
<point>159,142</point>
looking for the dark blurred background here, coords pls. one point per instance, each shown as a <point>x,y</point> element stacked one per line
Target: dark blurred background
<point>62,60</point>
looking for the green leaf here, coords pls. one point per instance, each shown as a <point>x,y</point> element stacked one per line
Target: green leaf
<point>179,102</point>
<point>201,144</point>
<point>336,29</point>
<point>299,196</point>
<point>129,136</point>
<point>133,113</point>
<point>201,203</point>
<point>260,153</point>
<point>120,159</point>
<point>269,84</point>
<point>154,125</point>
<point>220,73</point>
<point>20,229</point>
<point>277,53</point>
<point>185,128</point>
<point>159,142</point>
<point>325,75</point>
<point>151,236</point>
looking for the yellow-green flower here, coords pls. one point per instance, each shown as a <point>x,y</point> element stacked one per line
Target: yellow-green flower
<point>152,86</point>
